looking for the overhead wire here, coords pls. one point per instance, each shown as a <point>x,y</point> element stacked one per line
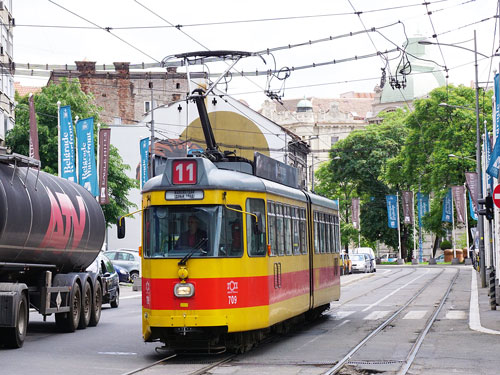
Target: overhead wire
<point>104,29</point>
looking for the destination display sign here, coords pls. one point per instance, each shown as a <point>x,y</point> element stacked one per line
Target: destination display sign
<point>181,195</point>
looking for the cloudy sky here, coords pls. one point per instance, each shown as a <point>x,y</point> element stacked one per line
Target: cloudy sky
<point>62,31</point>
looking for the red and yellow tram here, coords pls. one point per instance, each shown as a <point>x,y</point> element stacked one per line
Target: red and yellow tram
<point>228,256</point>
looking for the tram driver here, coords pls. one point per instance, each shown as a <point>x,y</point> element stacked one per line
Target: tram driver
<point>193,236</point>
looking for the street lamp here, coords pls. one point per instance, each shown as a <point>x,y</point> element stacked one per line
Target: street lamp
<point>480,224</point>
<point>461,157</point>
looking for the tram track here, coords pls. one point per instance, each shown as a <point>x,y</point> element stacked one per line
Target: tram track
<point>408,361</point>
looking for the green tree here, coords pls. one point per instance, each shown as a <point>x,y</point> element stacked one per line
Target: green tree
<point>69,93</point>
<point>356,169</point>
<point>435,132</point>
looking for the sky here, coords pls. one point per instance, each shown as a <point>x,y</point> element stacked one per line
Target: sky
<point>62,32</point>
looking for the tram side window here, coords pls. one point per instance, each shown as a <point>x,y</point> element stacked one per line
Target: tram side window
<point>316,232</point>
<point>288,230</point>
<point>295,231</point>
<point>322,233</point>
<point>256,243</point>
<point>328,237</point>
<point>231,237</point>
<point>337,233</point>
<point>272,227</point>
<point>280,229</point>
<point>302,231</point>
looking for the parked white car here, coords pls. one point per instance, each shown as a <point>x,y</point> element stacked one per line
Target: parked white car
<point>128,259</point>
<point>361,263</point>
<point>369,251</point>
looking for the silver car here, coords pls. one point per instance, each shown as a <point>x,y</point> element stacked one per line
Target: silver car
<point>361,263</point>
<point>128,259</point>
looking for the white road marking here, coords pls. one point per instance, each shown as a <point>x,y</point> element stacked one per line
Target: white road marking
<point>474,318</point>
<point>456,314</point>
<point>117,353</point>
<point>343,314</point>
<point>374,315</point>
<point>395,291</point>
<point>415,314</point>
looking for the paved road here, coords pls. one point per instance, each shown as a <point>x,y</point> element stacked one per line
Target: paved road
<point>116,347</point>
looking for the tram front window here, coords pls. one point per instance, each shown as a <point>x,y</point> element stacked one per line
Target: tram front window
<point>207,231</point>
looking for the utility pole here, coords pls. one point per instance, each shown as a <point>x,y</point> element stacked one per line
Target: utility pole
<point>152,153</point>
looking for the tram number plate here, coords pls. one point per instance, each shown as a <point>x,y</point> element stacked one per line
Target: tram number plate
<point>184,172</point>
<point>233,300</point>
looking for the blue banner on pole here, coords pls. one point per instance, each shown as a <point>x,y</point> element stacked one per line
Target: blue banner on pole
<point>494,163</point>
<point>447,208</point>
<point>497,107</point>
<point>423,206</point>
<point>392,211</point>
<point>471,208</point>
<point>144,148</point>
<point>67,150</point>
<point>87,171</point>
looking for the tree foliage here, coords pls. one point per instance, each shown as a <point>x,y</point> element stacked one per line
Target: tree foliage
<point>68,93</point>
<point>407,151</point>
<point>356,169</point>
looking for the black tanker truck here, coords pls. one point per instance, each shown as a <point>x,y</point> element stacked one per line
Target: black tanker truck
<point>51,230</point>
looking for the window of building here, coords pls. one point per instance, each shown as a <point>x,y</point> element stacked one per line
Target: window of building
<point>147,106</point>
<point>334,140</point>
<point>177,85</point>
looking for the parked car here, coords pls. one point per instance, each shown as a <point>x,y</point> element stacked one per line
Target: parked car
<point>128,259</point>
<point>110,280</point>
<point>123,274</point>
<point>361,263</point>
<point>389,258</point>
<point>369,251</point>
<point>440,259</point>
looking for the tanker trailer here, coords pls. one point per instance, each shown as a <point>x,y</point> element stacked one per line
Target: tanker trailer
<point>51,230</point>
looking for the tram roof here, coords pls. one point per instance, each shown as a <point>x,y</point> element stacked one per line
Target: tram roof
<point>210,177</point>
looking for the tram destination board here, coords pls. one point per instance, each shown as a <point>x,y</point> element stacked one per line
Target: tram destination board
<point>275,170</point>
<point>181,195</point>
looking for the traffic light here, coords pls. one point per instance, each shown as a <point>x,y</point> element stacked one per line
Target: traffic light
<point>488,207</point>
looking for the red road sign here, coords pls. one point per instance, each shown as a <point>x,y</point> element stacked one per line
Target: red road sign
<point>496,196</point>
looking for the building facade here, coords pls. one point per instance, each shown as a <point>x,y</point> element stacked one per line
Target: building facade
<point>7,105</point>
<point>126,96</point>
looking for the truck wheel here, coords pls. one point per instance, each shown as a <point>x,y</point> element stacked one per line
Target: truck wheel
<point>95,313</point>
<point>13,337</point>
<point>116,301</point>
<point>86,307</point>
<point>68,321</point>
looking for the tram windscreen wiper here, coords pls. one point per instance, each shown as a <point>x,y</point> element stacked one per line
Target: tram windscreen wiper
<point>196,248</point>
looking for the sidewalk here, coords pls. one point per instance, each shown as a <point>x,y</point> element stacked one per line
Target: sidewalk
<point>481,317</point>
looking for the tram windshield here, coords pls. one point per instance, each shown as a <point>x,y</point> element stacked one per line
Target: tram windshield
<point>206,231</point>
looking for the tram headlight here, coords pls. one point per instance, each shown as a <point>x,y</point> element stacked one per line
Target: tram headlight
<point>184,290</point>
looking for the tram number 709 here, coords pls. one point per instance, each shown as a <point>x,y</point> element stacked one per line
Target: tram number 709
<point>233,300</point>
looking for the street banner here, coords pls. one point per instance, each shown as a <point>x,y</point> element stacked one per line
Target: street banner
<point>144,148</point>
<point>392,211</point>
<point>472,186</point>
<point>447,208</point>
<point>488,156</point>
<point>87,171</point>
<point>459,200</point>
<point>407,207</point>
<point>33,152</point>
<point>473,214</point>
<point>355,213</point>
<point>496,123</point>
<point>104,143</point>
<point>67,150</point>
<point>423,206</point>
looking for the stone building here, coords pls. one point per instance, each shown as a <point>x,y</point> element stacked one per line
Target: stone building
<point>321,122</point>
<point>125,95</point>
<point>7,66</point>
